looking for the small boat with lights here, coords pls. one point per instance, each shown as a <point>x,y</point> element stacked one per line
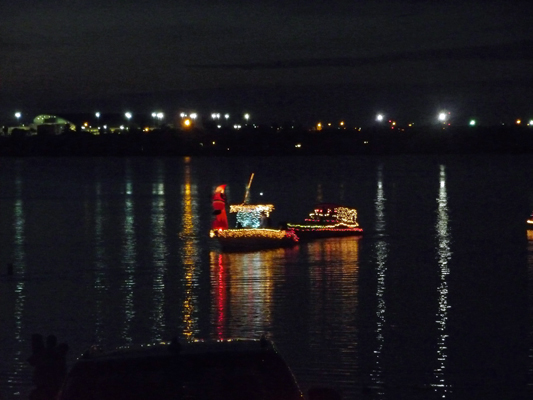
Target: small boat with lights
<point>252,231</point>
<point>328,220</point>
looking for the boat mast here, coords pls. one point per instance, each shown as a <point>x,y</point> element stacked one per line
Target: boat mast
<point>247,194</point>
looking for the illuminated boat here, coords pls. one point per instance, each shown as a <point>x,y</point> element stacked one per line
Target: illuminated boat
<point>252,231</point>
<point>328,220</point>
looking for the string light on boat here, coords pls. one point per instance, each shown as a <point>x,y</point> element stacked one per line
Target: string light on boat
<point>347,215</point>
<point>253,233</point>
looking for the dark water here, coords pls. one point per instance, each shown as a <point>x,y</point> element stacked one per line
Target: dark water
<point>434,301</point>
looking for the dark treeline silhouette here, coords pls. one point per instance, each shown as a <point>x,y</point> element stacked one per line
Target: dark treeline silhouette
<point>272,140</point>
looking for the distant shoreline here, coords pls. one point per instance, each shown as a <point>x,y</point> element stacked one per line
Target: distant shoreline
<point>279,142</point>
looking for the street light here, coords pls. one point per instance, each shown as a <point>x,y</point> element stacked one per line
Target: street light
<point>17,116</point>
<point>128,115</point>
<point>379,117</point>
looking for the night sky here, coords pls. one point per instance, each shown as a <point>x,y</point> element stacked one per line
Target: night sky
<point>289,59</point>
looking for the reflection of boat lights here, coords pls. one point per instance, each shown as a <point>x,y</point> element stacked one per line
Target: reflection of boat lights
<point>242,300</point>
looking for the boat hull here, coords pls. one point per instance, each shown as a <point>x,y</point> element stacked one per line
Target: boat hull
<point>242,240</point>
<point>323,233</point>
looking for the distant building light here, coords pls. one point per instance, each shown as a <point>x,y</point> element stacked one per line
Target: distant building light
<point>518,122</point>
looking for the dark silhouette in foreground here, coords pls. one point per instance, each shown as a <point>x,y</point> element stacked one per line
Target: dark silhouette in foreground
<point>49,363</point>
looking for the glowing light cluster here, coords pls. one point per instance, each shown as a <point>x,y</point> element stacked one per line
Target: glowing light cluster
<point>268,208</point>
<point>347,216</point>
<point>338,215</point>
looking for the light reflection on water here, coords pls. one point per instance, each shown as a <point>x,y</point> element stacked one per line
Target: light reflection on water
<point>444,255</point>
<point>159,251</point>
<point>242,286</point>
<point>143,269</point>
<point>19,234</point>
<point>189,254</point>
<point>129,257</point>
<point>380,254</point>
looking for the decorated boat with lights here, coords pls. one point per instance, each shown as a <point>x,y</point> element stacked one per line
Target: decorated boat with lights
<point>252,231</point>
<point>328,220</point>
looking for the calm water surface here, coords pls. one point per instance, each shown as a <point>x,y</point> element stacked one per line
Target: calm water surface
<point>434,301</point>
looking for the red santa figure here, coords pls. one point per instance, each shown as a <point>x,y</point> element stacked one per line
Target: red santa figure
<point>219,208</point>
